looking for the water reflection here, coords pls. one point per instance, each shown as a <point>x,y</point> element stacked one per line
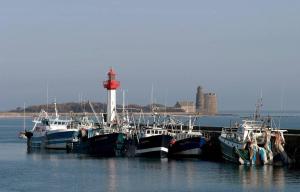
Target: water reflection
<point>52,155</point>
<point>262,177</point>
<point>141,174</point>
<point>112,175</point>
<point>190,171</point>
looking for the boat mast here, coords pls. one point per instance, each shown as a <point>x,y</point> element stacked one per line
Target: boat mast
<point>190,123</point>
<point>152,104</point>
<point>55,108</point>
<point>123,103</point>
<point>47,92</point>
<point>24,120</point>
<point>258,108</point>
<point>92,107</point>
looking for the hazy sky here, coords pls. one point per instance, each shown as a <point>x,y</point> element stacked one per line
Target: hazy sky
<point>233,48</point>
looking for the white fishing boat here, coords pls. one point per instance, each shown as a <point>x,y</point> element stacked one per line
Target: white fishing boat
<point>51,132</point>
<point>254,142</point>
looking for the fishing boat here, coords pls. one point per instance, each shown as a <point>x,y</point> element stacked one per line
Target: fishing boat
<point>100,141</point>
<point>153,141</point>
<point>50,132</point>
<point>255,145</point>
<point>185,143</point>
<point>254,142</point>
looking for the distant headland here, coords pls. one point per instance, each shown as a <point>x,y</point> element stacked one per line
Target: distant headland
<point>73,107</point>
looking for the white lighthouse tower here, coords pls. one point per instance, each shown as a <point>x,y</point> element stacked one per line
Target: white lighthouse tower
<point>111,85</point>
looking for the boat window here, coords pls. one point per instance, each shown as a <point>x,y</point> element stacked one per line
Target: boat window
<point>159,132</point>
<point>148,132</point>
<point>156,132</point>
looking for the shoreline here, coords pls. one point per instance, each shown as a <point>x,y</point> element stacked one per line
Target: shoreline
<point>7,115</point>
<point>28,115</point>
<point>4,115</point>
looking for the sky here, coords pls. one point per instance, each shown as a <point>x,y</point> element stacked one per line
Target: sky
<point>239,50</point>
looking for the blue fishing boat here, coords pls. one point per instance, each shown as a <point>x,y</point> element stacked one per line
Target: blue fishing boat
<point>187,145</point>
<point>153,142</point>
<point>51,132</point>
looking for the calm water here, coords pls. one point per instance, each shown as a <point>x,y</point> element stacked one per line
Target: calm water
<point>59,171</point>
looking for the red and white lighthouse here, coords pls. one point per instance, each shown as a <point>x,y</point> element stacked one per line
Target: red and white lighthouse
<point>111,85</point>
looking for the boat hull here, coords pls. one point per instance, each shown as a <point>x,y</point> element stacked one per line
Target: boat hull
<point>106,145</point>
<point>156,146</point>
<point>36,142</point>
<point>228,149</point>
<point>60,139</point>
<point>188,147</point>
<point>57,139</point>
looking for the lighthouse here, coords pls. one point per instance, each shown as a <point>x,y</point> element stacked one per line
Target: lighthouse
<point>111,85</point>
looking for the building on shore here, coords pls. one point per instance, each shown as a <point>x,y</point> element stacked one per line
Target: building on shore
<point>206,103</point>
<point>210,104</point>
<point>186,106</point>
<point>199,100</point>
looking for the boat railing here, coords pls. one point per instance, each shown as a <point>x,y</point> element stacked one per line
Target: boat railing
<point>228,130</point>
<point>230,133</point>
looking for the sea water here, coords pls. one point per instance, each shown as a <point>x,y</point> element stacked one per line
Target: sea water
<point>60,171</point>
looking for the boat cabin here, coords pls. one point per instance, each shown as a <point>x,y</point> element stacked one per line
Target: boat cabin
<point>155,131</point>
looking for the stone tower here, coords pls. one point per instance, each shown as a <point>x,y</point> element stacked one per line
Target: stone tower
<point>210,104</point>
<point>199,100</point>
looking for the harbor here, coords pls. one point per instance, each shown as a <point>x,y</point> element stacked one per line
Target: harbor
<point>60,170</point>
<point>138,96</point>
<point>254,142</point>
